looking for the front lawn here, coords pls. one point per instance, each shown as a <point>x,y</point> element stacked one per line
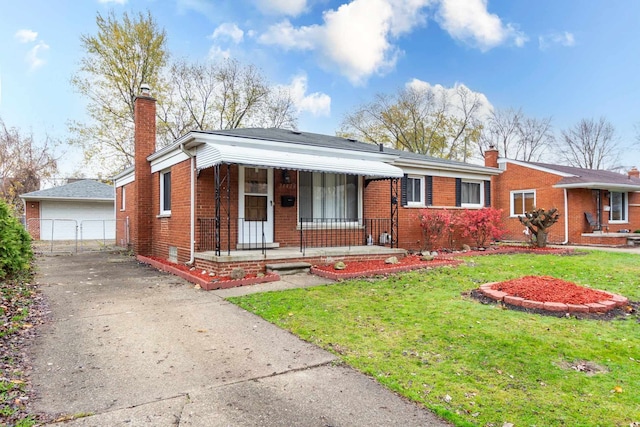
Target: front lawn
<point>421,335</point>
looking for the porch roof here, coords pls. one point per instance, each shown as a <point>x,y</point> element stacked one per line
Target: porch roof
<point>211,154</point>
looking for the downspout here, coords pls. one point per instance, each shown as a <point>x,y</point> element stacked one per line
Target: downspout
<point>192,226</point>
<point>566,218</point>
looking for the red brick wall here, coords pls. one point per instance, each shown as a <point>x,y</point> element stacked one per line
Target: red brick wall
<point>32,217</point>
<point>145,145</point>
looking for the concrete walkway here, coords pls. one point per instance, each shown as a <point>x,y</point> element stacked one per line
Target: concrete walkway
<point>129,346</point>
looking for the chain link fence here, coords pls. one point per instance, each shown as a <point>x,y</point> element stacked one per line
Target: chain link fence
<point>72,236</point>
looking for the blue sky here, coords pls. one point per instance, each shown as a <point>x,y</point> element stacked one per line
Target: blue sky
<point>566,59</point>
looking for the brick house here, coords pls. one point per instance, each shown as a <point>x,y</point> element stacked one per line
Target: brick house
<point>595,206</point>
<point>247,197</point>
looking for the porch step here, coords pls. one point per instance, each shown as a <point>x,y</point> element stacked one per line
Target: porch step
<point>284,268</point>
<point>633,240</point>
<point>256,246</point>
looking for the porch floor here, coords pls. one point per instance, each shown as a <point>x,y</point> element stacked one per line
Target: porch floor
<point>295,253</point>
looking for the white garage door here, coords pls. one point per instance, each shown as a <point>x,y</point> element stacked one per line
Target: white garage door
<point>94,220</point>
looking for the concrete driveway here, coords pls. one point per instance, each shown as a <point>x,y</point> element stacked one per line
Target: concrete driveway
<point>130,346</point>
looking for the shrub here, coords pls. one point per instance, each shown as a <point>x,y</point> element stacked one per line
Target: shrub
<point>482,225</point>
<point>436,224</point>
<point>15,244</point>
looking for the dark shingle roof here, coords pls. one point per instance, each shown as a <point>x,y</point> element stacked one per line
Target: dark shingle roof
<point>86,190</point>
<point>589,176</point>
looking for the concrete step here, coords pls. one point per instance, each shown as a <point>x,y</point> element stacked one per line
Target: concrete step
<point>284,268</point>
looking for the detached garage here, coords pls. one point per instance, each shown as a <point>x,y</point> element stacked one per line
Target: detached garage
<point>79,210</point>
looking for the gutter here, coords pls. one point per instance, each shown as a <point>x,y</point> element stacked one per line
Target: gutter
<point>192,226</point>
<point>566,218</point>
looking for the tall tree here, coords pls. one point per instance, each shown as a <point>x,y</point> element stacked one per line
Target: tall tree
<point>591,144</point>
<point>23,164</point>
<point>122,55</point>
<point>421,119</point>
<point>515,135</point>
<point>225,95</point>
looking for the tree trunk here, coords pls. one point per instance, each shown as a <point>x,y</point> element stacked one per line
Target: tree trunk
<point>541,239</point>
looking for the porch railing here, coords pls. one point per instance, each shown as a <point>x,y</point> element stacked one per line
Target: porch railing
<point>333,232</point>
<point>251,235</point>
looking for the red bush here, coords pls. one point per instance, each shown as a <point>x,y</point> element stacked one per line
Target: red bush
<point>481,225</point>
<point>436,224</point>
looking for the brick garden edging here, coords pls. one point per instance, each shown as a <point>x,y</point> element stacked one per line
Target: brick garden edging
<point>596,307</point>
<point>342,275</point>
<point>208,285</point>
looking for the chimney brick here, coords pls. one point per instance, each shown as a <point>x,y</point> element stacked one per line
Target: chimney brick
<point>634,172</point>
<point>491,157</point>
<point>145,145</point>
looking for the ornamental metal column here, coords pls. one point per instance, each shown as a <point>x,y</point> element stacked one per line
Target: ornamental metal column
<point>218,208</point>
<point>216,220</point>
<point>394,212</point>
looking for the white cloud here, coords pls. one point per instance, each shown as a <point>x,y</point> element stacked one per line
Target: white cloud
<point>282,7</point>
<point>317,103</point>
<point>565,39</point>
<point>452,95</point>
<point>356,38</point>
<point>33,57</point>
<point>228,31</point>
<point>469,21</point>
<point>26,36</point>
<point>216,53</point>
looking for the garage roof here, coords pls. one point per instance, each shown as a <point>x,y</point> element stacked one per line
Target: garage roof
<point>87,189</point>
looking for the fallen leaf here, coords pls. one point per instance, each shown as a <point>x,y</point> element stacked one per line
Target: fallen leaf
<point>447,398</point>
<point>617,389</point>
<point>17,382</point>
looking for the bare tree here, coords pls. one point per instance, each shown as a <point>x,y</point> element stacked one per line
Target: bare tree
<point>591,144</point>
<point>421,119</point>
<point>23,164</point>
<point>517,136</point>
<point>225,95</point>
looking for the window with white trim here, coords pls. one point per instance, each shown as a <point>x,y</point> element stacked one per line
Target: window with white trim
<point>522,201</point>
<point>328,197</point>
<point>471,194</point>
<point>165,192</point>
<point>618,206</point>
<point>415,190</point>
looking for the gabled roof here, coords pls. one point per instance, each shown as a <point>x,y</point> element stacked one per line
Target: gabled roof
<point>573,177</point>
<point>87,189</point>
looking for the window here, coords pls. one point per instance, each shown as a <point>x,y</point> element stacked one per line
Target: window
<point>522,201</point>
<point>123,197</point>
<point>471,194</point>
<point>165,193</point>
<point>415,191</point>
<point>618,207</point>
<point>328,197</point>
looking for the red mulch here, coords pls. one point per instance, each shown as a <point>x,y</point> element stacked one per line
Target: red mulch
<point>550,289</point>
<point>366,266</point>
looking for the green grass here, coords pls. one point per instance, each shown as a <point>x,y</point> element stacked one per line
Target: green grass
<point>421,335</point>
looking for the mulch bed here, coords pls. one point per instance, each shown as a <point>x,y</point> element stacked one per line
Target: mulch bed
<point>202,278</point>
<point>551,296</point>
<point>378,267</point>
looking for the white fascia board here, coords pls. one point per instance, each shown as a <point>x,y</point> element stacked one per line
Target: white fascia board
<point>600,186</point>
<point>122,180</point>
<point>67,199</point>
<point>534,167</point>
<point>289,147</point>
<point>446,170</point>
<point>127,171</point>
<point>168,159</point>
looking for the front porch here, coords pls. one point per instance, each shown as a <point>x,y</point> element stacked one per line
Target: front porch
<point>254,262</point>
<point>610,239</point>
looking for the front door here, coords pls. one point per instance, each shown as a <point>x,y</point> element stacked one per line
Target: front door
<point>255,207</point>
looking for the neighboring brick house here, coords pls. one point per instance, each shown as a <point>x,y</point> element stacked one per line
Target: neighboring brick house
<point>595,206</point>
<point>209,195</point>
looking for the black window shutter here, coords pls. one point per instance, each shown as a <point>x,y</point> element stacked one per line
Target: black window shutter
<point>429,189</point>
<point>487,194</point>
<point>458,191</point>
<point>403,190</point>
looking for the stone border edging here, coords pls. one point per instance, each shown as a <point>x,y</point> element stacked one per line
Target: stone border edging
<point>208,285</point>
<point>604,306</point>
<point>336,275</point>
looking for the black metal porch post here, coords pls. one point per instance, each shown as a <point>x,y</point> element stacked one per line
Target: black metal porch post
<point>228,179</point>
<point>216,231</point>
<point>394,212</point>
